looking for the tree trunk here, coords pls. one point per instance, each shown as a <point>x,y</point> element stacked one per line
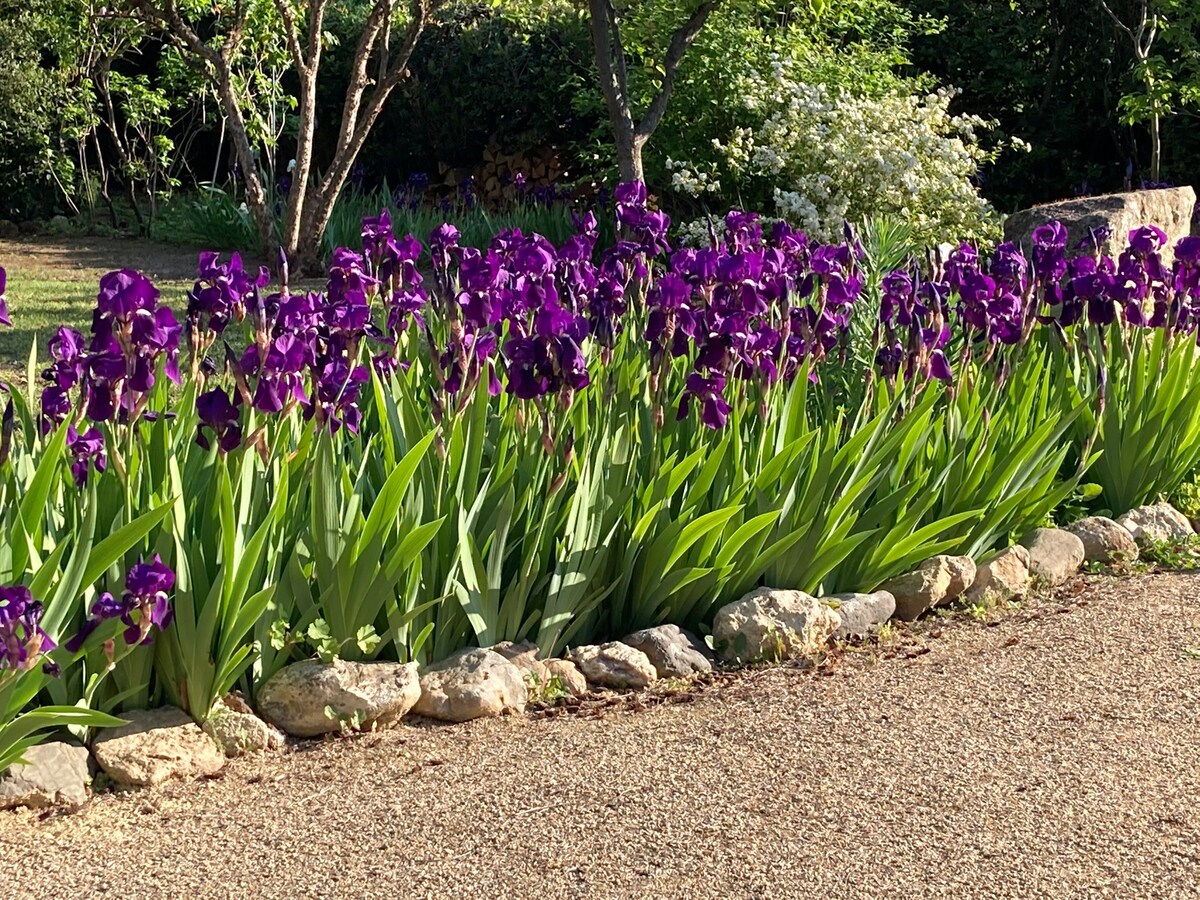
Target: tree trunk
<point>256,196</point>
<point>293,223</point>
<point>629,158</point>
<point>1155,147</point>
<point>630,137</point>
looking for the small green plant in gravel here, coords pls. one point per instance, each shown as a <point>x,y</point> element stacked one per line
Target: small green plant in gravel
<point>548,692</point>
<point>1179,556</point>
<point>346,724</point>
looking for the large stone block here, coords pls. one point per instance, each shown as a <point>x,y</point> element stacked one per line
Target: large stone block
<point>1171,209</point>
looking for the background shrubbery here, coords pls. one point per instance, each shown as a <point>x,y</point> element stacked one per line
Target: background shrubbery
<point>1055,75</point>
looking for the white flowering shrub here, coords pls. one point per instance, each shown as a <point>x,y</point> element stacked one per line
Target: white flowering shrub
<point>819,155</point>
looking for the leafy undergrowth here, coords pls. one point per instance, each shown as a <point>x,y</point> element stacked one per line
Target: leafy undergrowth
<point>1153,558</point>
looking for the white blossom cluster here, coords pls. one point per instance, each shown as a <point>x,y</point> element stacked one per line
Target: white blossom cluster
<point>824,156</point>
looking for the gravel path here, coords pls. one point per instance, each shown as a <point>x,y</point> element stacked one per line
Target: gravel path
<point>1052,753</point>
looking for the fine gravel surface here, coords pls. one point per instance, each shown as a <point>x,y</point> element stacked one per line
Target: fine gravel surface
<point>1051,752</point>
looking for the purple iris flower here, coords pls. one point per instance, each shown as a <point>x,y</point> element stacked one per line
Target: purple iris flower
<point>335,397</point>
<point>698,266</point>
<point>1146,240</point>
<point>630,194</point>
<point>1010,268</point>
<point>219,414</point>
<point>56,405</point>
<point>103,609</point>
<point>148,586</point>
<point>962,263</point>
<point>671,321</point>
<point>223,292</point>
<point>605,307</point>
<point>889,358</point>
<point>648,228</point>
<point>4,319</point>
<point>1049,251</point>
<point>87,450</point>
<point>708,393</point>
<point>443,242</point>
<point>22,641</point>
<point>1094,239</point>
<point>939,367</point>
<point>1187,250</point>
<point>743,231</point>
<point>529,367</point>
<point>1185,276</point>
<point>349,280</point>
<point>380,244</point>
<point>67,351</point>
<point>124,294</point>
<point>897,294</point>
<point>585,224</point>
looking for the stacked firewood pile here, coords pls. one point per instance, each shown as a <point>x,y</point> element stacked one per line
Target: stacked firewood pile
<point>503,176</point>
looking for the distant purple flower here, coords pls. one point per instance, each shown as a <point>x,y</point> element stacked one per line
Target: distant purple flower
<point>585,224</point>
<point>1094,239</point>
<point>443,241</point>
<point>631,193</point>
<point>743,231</point>
<point>897,295</point>
<point>349,284</point>
<point>647,227</point>
<point>380,244</point>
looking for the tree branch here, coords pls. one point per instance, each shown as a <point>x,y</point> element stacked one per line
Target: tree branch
<point>683,38</point>
<point>612,85</point>
<point>359,80</point>
<point>354,127</point>
<point>292,33</point>
<point>169,18</point>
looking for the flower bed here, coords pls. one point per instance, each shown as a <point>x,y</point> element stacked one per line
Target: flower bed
<point>450,447</point>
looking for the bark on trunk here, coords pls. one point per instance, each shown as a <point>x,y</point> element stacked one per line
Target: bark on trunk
<point>256,195</point>
<point>1155,148</point>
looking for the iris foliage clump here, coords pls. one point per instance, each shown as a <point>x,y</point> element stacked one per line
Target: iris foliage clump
<point>450,445</point>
